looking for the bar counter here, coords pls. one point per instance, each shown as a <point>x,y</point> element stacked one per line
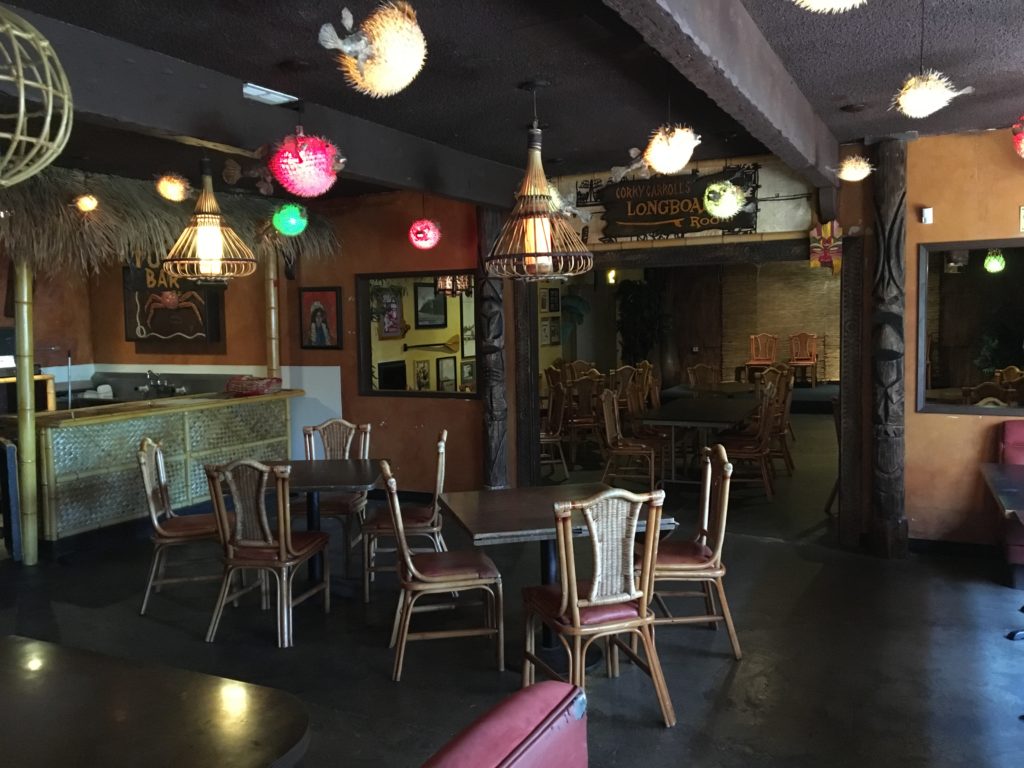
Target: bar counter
<point>88,471</point>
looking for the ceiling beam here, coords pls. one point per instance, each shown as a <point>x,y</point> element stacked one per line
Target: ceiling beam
<point>718,47</point>
<point>114,82</point>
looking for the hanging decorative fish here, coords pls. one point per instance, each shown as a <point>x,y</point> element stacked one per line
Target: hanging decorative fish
<point>560,205</point>
<point>233,173</point>
<point>639,166</point>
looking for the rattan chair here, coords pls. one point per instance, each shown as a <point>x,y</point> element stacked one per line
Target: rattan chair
<point>577,368</point>
<point>755,448</point>
<point>623,455</point>
<point>699,559</point>
<point>614,601</point>
<point>421,520</point>
<point>702,376</point>
<point>551,452</point>
<point>803,354</point>
<point>763,348</point>
<point>169,529</point>
<point>337,437</point>
<point>619,379</point>
<point>989,393</point>
<point>1011,374</point>
<point>251,543</point>
<point>780,434</point>
<point>436,573</point>
<point>583,418</point>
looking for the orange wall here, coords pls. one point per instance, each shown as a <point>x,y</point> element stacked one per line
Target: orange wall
<point>975,183</point>
<point>373,232</point>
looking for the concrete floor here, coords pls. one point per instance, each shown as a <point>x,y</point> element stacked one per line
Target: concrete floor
<point>849,660</point>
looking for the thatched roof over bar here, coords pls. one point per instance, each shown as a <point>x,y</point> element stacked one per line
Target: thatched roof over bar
<point>42,225</point>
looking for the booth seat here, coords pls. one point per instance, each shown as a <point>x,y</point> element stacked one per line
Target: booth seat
<point>537,727</point>
<point>1011,451</point>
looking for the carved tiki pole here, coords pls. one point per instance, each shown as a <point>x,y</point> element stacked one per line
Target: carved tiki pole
<point>888,527</point>
<point>490,334</point>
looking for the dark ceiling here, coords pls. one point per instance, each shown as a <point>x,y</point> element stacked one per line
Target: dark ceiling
<point>863,56</point>
<point>609,89</point>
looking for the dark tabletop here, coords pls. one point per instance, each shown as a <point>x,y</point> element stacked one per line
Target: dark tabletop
<point>724,389</point>
<point>1006,482</point>
<point>519,514</point>
<point>64,707</point>
<point>703,412</point>
<point>344,475</point>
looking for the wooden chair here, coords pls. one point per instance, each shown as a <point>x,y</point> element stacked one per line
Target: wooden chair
<point>780,433</point>
<point>702,375</point>
<point>251,544</point>
<point>660,439</point>
<point>337,437</point>
<point>169,529</point>
<point>654,393</point>
<point>612,602</point>
<point>644,375</point>
<point>435,573</point>
<point>1011,374</point>
<point>619,379</point>
<point>989,393</point>
<point>763,348</point>
<point>803,354</point>
<point>583,420</point>
<point>755,448</point>
<point>577,368</point>
<point>621,453</point>
<point>421,520</point>
<point>699,559</point>
<point>551,452</point>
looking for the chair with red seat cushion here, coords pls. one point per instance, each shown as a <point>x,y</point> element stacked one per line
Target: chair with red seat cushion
<point>169,529</point>
<point>693,560</point>
<point>437,573</point>
<point>613,602</point>
<point>251,544</point>
<point>537,727</point>
<point>420,520</point>
<point>1011,451</point>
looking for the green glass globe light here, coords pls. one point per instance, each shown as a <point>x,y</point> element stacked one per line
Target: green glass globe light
<point>290,220</point>
<point>995,261</point>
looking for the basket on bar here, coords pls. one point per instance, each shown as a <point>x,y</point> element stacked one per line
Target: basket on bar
<point>245,386</point>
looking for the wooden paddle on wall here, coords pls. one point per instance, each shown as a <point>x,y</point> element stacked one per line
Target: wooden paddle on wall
<point>452,345</point>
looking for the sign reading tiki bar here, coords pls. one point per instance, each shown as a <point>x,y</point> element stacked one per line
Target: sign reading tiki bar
<point>672,206</point>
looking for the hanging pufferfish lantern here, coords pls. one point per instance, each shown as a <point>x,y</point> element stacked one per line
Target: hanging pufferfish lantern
<point>306,166</point>
<point>385,54</point>
<point>1018,136</point>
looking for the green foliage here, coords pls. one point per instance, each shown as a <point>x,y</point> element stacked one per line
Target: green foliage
<point>640,318</point>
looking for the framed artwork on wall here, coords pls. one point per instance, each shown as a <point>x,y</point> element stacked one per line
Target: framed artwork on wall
<point>543,299</point>
<point>555,333</point>
<point>446,373</point>
<point>320,318</point>
<point>554,299</point>
<point>156,310</point>
<point>391,324</point>
<point>431,306</point>
<point>467,320</point>
<point>421,370</point>
<point>468,375</point>
<point>545,332</point>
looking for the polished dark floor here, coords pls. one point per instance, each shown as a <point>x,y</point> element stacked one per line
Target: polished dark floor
<point>849,660</point>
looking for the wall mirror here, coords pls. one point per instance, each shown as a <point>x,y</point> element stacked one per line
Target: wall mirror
<point>417,334</point>
<point>970,338</point>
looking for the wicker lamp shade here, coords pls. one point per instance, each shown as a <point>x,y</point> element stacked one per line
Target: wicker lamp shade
<point>453,285</point>
<point>208,249</point>
<point>32,137</point>
<point>535,242</point>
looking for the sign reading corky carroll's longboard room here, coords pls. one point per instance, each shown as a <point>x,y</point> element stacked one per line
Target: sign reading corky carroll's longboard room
<point>673,206</point>
<point>160,307</point>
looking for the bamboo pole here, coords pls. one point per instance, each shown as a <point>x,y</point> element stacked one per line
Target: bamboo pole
<point>273,331</point>
<point>23,366</point>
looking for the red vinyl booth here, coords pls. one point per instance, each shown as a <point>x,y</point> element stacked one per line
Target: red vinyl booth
<point>538,727</point>
<point>1011,451</point>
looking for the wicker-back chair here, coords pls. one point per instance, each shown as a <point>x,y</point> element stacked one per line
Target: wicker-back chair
<point>577,368</point>
<point>699,558</point>
<point>755,446</point>
<point>702,376</point>
<point>613,601</point>
<point>436,573</point>
<point>626,460</point>
<point>551,452</point>
<point>654,392</point>
<point>989,393</point>
<point>783,404</point>
<point>339,439</point>
<point>763,350</point>
<point>644,374</point>
<point>619,379</point>
<point>803,355</point>
<point>252,542</point>
<point>169,529</point>
<point>1011,374</point>
<point>583,419</point>
<point>421,521</point>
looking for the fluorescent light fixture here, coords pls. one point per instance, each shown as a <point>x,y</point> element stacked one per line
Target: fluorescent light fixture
<point>266,95</point>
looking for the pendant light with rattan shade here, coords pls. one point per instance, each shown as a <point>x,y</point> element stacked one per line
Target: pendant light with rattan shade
<point>209,249</point>
<point>537,243</point>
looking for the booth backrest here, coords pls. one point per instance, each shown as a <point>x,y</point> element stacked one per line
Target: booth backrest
<point>537,727</point>
<point>1011,446</point>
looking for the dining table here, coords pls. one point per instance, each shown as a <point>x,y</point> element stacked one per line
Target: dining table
<point>702,414</point>
<point>1006,484</point>
<point>516,515</point>
<point>61,706</point>
<point>314,476</point>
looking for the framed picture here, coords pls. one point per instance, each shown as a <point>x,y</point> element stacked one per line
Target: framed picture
<point>446,373</point>
<point>467,319</point>
<point>468,375</point>
<point>554,299</point>
<point>543,297</point>
<point>319,318</point>
<point>545,332</point>
<point>155,310</point>
<point>555,334</point>
<point>391,324</point>
<point>431,306</point>
<point>421,370</point>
